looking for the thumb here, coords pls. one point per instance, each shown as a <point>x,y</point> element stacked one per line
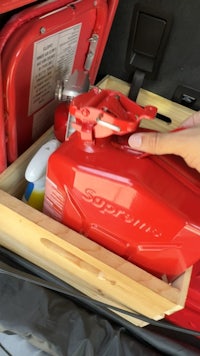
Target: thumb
<point>154,142</point>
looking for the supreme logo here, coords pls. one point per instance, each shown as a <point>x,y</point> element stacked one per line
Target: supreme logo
<point>107,207</point>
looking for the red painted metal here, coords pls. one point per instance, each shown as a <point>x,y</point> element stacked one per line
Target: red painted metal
<point>3,155</point>
<point>102,113</point>
<point>8,5</point>
<point>127,115</point>
<point>32,58</point>
<point>140,208</point>
<point>60,121</point>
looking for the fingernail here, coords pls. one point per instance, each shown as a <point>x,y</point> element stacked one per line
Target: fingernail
<point>135,140</point>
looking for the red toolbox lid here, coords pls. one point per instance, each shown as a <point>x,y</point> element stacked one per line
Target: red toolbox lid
<point>8,5</point>
<point>39,46</point>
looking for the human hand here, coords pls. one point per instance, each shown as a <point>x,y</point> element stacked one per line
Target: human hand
<point>184,143</point>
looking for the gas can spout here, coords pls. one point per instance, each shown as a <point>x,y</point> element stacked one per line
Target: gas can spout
<point>102,113</point>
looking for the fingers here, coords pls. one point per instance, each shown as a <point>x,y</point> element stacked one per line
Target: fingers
<point>184,143</point>
<point>191,121</point>
<point>156,143</point>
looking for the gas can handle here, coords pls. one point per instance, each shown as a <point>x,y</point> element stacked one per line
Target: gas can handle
<point>102,113</point>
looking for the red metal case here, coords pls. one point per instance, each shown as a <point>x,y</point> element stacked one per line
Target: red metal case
<point>39,46</point>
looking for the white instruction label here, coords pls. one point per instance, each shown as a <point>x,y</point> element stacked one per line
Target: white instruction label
<point>53,58</point>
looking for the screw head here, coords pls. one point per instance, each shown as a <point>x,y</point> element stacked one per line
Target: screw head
<point>42,30</point>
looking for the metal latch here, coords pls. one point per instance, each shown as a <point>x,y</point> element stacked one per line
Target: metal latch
<point>92,49</point>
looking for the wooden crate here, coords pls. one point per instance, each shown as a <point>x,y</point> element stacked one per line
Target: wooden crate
<point>73,258</point>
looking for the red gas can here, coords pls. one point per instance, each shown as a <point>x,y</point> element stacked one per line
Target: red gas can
<point>138,207</point>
